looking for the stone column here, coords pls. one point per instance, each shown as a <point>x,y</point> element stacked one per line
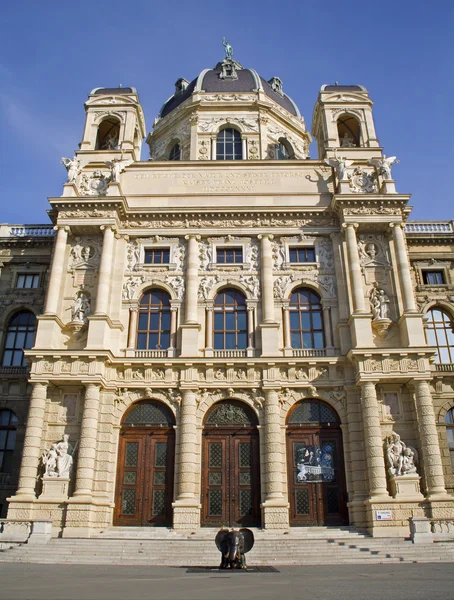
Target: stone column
<point>244,147</point>
<point>32,442</point>
<point>192,279</point>
<point>133,319</point>
<point>213,148</point>
<point>354,268</point>
<point>373,442</point>
<point>430,448</point>
<point>403,268</point>
<point>327,327</point>
<point>209,328</point>
<point>173,328</point>
<point>187,505</point>
<point>286,324</point>
<point>105,271</point>
<point>266,266</point>
<point>250,328</point>
<point>275,506</point>
<point>56,273</point>
<point>88,441</point>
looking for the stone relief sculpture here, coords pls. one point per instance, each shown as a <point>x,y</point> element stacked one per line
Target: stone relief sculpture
<point>130,286</point>
<point>72,167</point>
<point>206,283</point>
<point>81,307</point>
<point>133,253</point>
<point>252,256</point>
<point>325,255</point>
<point>279,257</point>
<point>178,257</point>
<point>379,302</point>
<point>205,254</point>
<point>58,460</point>
<point>383,165</point>
<point>95,184</point>
<point>362,182</point>
<point>400,458</point>
<point>252,284</point>
<point>177,283</point>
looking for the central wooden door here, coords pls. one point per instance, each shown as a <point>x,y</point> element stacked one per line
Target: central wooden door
<point>230,485</point>
<point>144,490</point>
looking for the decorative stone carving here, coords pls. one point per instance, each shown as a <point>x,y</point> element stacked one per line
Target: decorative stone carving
<point>380,307</point>
<point>340,164</point>
<point>178,257</point>
<point>400,458</point>
<point>177,283</point>
<point>383,165</point>
<point>325,255</point>
<point>252,256</point>
<point>133,254</point>
<point>252,284</point>
<point>362,182</point>
<point>227,98</point>
<point>81,307</point>
<point>328,282</point>
<point>371,250</point>
<point>117,166</point>
<point>206,284</point>
<point>72,166</point>
<point>279,256</point>
<point>95,184</point>
<point>287,396</point>
<point>84,252</point>
<point>58,460</point>
<point>205,254</point>
<point>130,286</point>
<point>347,141</point>
<point>280,285</point>
<point>210,125</point>
<point>204,150</point>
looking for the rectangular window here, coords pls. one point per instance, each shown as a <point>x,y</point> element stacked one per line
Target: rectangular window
<point>157,256</point>
<point>27,281</point>
<point>302,255</point>
<point>433,277</point>
<point>227,256</point>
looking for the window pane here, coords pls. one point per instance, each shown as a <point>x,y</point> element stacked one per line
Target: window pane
<point>165,320</point>
<point>165,340</point>
<point>17,358</point>
<point>219,321</point>
<point>296,342</point>
<point>318,340</point>
<point>449,418</point>
<point>154,321</point>
<point>449,433</point>
<point>242,341</point>
<point>431,337</point>
<point>230,341</point>
<point>143,321</point>
<point>7,358</point>
<point>444,355</point>
<point>307,340</point>
<point>3,434</point>
<point>306,321</point>
<point>230,321</point>
<point>20,339</point>
<point>317,320</point>
<point>7,462</point>
<point>153,341</point>
<point>293,255</point>
<point>29,340</point>
<point>5,416</point>
<point>219,341</point>
<point>294,320</point>
<point>241,322</point>
<point>11,441</point>
<point>142,341</point>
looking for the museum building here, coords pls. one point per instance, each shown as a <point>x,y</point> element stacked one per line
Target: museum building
<point>231,332</point>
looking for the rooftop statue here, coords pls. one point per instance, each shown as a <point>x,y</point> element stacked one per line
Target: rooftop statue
<point>228,48</point>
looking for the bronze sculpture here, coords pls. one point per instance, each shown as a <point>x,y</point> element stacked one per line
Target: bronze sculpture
<point>233,546</point>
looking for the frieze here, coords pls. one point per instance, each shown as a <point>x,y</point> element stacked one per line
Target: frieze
<point>228,222</point>
<point>372,210</point>
<point>228,98</point>
<point>393,365</point>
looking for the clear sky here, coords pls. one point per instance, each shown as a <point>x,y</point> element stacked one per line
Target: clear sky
<point>53,53</point>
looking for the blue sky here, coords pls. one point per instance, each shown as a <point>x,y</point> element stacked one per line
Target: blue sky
<point>53,53</point>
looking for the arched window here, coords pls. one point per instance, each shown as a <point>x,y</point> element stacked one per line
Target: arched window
<point>229,145</point>
<point>284,150</point>
<point>8,422</point>
<point>153,332</point>
<point>439,333</point>
<point>449,420</point>
<point>306,325</point>
<point>108,134</point>
<point>20,335</point>
<point>175,152</point>
<point>349,131</point>
<point>230,329</point>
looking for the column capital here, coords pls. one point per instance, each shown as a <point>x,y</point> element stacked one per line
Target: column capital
<point>345,226</point>
<point>396,226</point>
<point>264,236</point>
<point>107,227</point>
<point>135,308</point>
<point>193,236</point>
<point>63,227</point>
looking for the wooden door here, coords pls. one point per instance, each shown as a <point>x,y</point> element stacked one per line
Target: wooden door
<point>145,478</point>
<point>231,478</point>
<point>316,477</point>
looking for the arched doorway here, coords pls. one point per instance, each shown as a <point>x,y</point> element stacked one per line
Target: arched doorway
<point>145,466</point>
<point>316,473</point>
<point>230,466</point>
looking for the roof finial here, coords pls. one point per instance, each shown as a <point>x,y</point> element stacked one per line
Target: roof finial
<point>228,48</point>
<point>120,85</point>
<point>336,83</point>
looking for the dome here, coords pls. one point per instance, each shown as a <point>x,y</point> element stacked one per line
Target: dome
<point>229,76</point>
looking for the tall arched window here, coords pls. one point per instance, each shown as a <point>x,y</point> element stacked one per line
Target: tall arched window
<point>8,422</point>
<point>229,145</point>
<point>306,325</point>
<point>175,152</point>
<point>20,335</point>
<point>230,328</point>
<point>439,333</point>
<point>153,332</point>
<point>449,420</point>
<point>284,150</point>
<point>108,134</point>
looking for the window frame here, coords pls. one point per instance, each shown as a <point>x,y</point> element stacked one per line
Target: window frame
<point>148,309</point>
<point>163,250</point>
<point>171,151</point>
<point>229,308</point>
<point>431,325</point>
<point>223,250</point>
<point>224,155</point>
<point>426,273</point>
<point>36,277</point>
<point>299,249</point>
<point>9,428</point>
<point>18,329</point>
<point>299,308</point>
<point>449,423</point>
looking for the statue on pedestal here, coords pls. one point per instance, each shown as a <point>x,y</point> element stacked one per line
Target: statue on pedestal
<point>400,457</point>
<point>58,461</point>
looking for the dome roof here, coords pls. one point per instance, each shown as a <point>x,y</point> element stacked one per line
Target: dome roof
<point>243,81</point>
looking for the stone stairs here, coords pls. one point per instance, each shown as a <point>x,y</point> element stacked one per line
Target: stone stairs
<point>157,546</point>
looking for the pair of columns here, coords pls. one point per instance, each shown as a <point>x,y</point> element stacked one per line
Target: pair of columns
<point>33,441</point>
<point>58,264</point>
<point>403,269</point>
<point>373,442</point>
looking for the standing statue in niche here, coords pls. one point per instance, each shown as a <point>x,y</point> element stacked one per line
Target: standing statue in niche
<point>379,302</point>
<point>72,166</point>
<point>81,307</point>
<point>347,141</point>
<point>383,165</point>
<point>228,48</point>
<point>400,457</point>
<point>58,461</point>
<point>110,142</point>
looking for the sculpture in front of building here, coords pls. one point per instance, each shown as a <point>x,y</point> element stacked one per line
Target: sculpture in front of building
<point>58,460</point>
<point>400,457</point>
<point>233,546</point>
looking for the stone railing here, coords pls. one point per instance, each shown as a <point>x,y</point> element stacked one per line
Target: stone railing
<point>151,353</point>
<point>444,368</point>
<point>430,227</point>
<point>14,370</point>
<point>26,231</point>
<point>309,352</point>
<point>424,530</point>
<point>229,353</point>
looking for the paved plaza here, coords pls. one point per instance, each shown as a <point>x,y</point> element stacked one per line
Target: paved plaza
<point>352,582</point>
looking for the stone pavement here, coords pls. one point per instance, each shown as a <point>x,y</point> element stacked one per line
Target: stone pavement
<point>347,582</point>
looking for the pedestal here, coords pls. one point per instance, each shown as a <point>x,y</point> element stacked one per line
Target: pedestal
<point>270,339</point>
<point>186,515</point>
<point>55,489</point>
<point>406,487</point>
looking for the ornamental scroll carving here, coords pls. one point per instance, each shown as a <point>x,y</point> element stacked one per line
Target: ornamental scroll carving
<point>362,182</point>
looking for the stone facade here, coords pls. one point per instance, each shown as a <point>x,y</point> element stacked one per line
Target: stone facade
<point>374,368</point>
